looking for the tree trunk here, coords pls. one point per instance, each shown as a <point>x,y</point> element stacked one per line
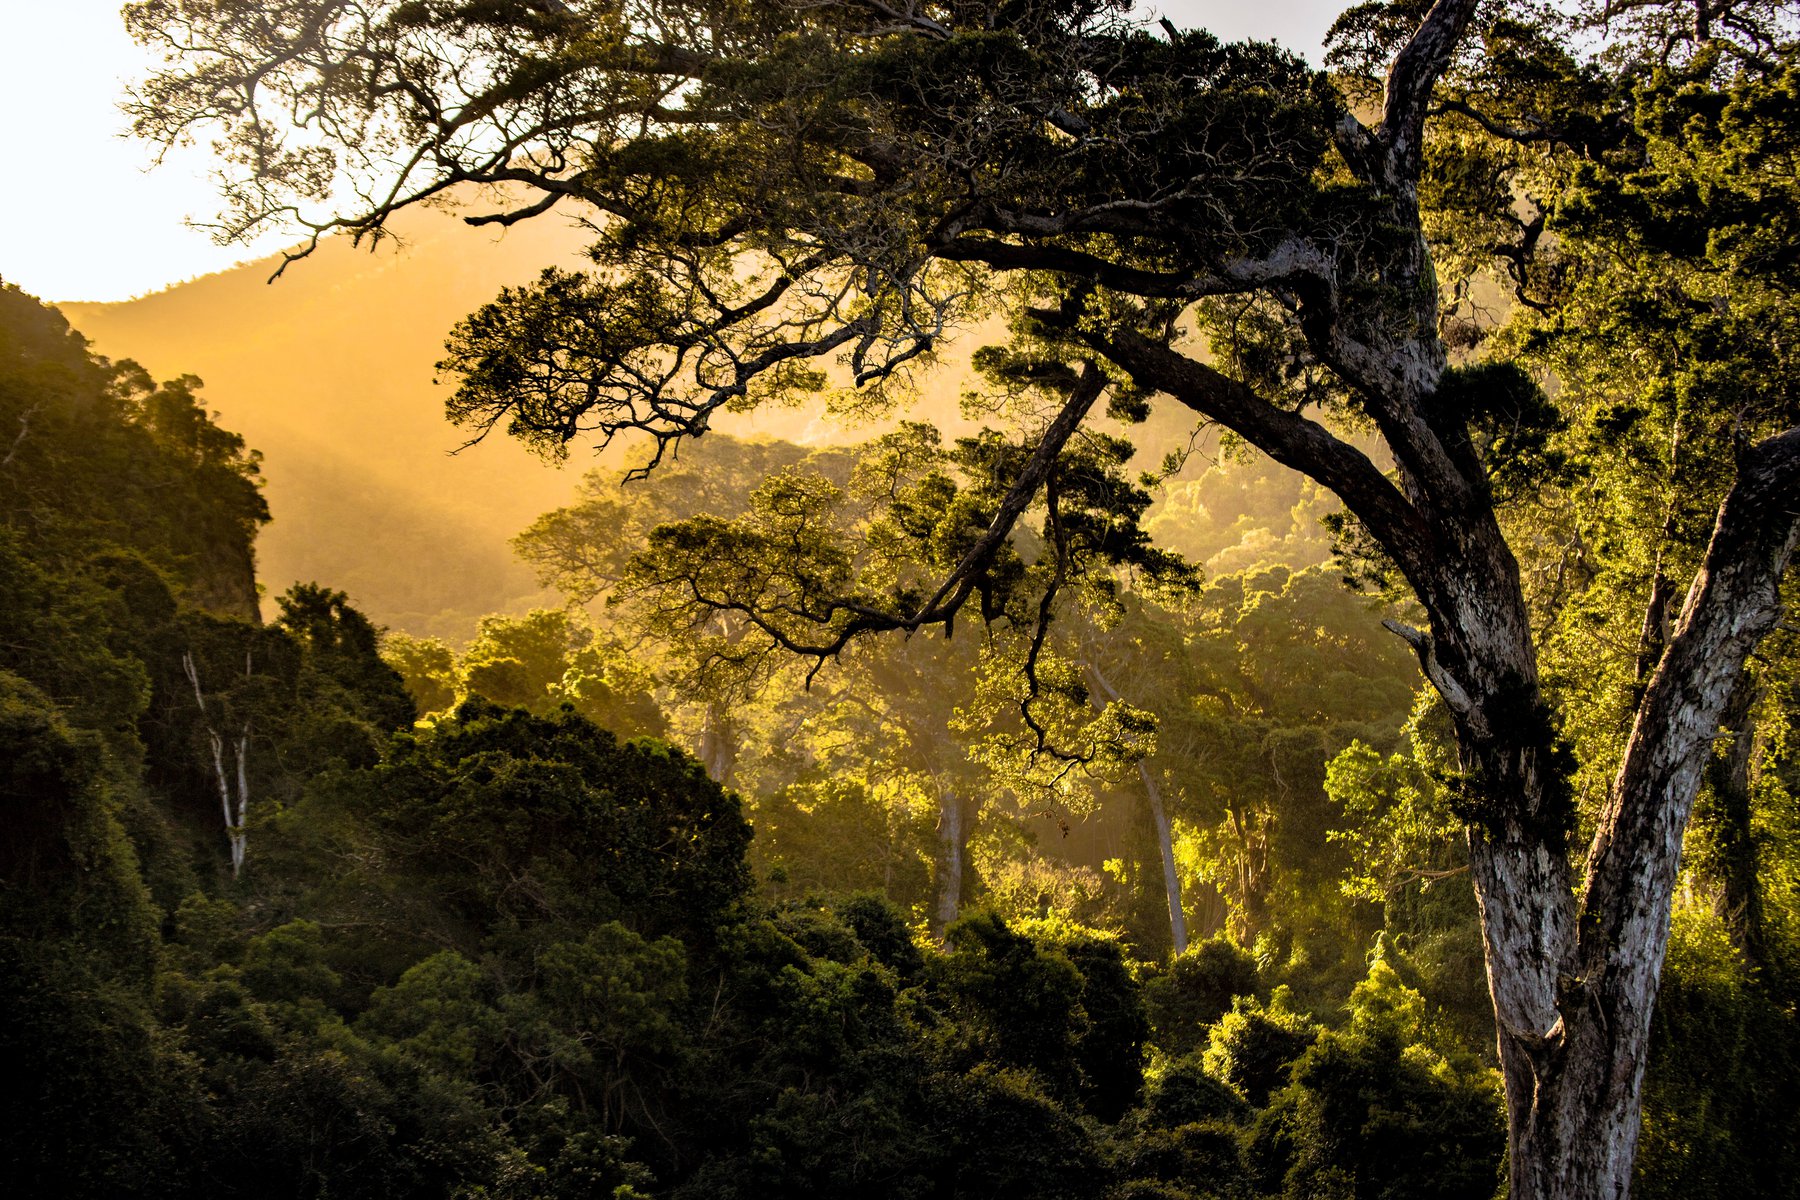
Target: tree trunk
<point>1159,817</point>
<point>1165,845</point>
<point>718,746</point>
<point>1249,917</point>
<point>1574,979</point>
<point>952,862</point>
<point>236,809</point>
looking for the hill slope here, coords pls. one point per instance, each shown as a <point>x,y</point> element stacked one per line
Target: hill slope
<point>329,373</point>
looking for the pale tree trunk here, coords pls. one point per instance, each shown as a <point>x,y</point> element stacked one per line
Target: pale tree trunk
<point>1165,845</point>
<point>1249,917</point>
<point>953,834</point>
<point>1574,978</point>
<point>718,744</point>
<point>235,807</point>
<point>1159,817</point>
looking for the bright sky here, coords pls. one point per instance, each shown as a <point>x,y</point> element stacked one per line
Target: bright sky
<point>84,219</point>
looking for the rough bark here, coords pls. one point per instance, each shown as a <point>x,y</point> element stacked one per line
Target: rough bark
<point>1574,980</point>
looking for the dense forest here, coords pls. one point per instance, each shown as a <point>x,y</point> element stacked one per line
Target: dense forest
<point>1318,720</point>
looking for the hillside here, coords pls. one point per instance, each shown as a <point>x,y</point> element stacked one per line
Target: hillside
<point>328,371</point>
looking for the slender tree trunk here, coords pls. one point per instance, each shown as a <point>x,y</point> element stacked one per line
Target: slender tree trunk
<point>1165,845</point>
<point>1159,817</point>
<point>952,862</point>
<point>236,809</point>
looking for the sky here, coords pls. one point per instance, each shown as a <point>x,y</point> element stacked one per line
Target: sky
<point>85,218</point>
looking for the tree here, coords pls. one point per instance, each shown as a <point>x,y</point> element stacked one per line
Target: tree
<point>779,183</point>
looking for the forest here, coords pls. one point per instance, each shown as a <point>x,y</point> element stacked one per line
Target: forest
<point>1312,711</point>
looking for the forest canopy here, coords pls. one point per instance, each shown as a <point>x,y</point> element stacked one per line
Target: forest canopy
<point>1515,287</point>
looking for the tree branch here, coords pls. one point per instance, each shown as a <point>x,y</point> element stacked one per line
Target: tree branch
<point>1293,260</point>
<point>1733,603</point>
<point>1290,439</point>
<point>1415,73</point>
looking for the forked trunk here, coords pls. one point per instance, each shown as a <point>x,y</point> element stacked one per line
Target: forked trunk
<point>1574,979</point>
<point>1571,1056</point>
<point>236,809</point>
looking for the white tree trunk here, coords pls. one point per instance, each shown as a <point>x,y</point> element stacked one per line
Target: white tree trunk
<point>953,832</point>
<point>1165,845</point>
<point>236,809</point>
<point>1159,817</point>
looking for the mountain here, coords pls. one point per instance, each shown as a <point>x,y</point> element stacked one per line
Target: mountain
<point>328,371</point>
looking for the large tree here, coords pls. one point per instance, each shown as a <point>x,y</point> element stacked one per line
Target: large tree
<point>773,184</point>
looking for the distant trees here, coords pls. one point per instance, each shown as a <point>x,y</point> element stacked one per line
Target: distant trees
<point>781,183</point>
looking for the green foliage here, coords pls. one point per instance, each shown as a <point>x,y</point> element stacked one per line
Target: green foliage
<point>1195,988</point>
<point>511,820</point>
<point>1375,1111</point>
<point>1396,824</point>
<point>427,668</point>
<point>99,455</point>
<point>341,647</point>
<point>1275,671</point>
<point>1182,1093</point>
<point>1719,1118</point>
<point>509,955</point>
<point>439,1013</point>
<point>1253,1046</point>
<point>1018,1003</point>
<point>95,1093</point>
<point>1364,1118</point>
<point>837,836</point>
<point>551,657</point>
<point>1110,1050</point>
<point>1008,1139</point>
<point>1509,425</point>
